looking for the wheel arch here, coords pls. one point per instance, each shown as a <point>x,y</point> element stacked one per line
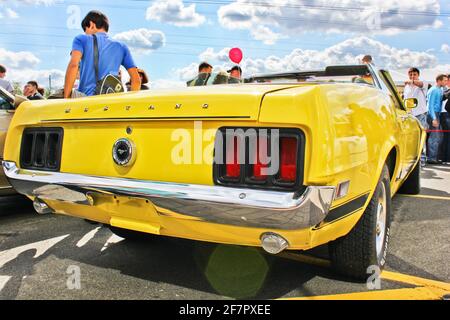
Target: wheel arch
<point>392,163</point>
<point>392,159</point>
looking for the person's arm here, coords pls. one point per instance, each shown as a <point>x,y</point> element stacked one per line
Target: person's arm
<point>135,79</point>
<point>71,73</point>
<point>128,63</point>
<point>418,83</point>
<point>434,104</point>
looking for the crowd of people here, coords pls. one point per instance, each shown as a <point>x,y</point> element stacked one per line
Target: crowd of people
<point>433,112</point>
<point>32,91</point>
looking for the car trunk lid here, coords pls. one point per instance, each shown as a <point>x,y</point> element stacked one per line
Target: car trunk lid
<point>199,103</point>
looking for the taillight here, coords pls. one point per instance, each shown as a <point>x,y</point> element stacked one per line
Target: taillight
<point>288,159</point>
<point>260,165</point>
<point>233,167</point>
<point>262,158</point>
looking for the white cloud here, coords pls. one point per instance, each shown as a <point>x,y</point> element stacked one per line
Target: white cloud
<point>22,66</point>
<point>210,55</point>
<point>41,2</point>
<point>445,48</point>
<point>174,12</point>
<point>11,14</point>
<point>187,73</point>
<point>142,40</point>
<point>266,35</point>
<point>438,24</point>
<point>8,13</point>
<point>351,16</point>
<point>347,52</point>
<point>18,60</point>
<point>22,76</point>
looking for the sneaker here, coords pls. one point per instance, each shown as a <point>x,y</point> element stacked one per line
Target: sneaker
<point>433,162</point>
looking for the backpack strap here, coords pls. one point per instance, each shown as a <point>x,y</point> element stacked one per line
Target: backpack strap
<point>96,57</point>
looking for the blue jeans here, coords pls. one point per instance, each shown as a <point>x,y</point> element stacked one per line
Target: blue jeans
<point>434,140</point>
<point>423,120</point>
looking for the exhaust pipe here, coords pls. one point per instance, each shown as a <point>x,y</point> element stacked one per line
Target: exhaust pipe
<point>273,243</point>
<point>41,207</point>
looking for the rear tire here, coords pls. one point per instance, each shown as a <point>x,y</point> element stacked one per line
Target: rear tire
<point>130,234</point>
<point>367,244</point>
<point>412,184</point>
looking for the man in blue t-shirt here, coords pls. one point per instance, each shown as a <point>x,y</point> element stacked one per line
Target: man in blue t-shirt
<point>112,55</point>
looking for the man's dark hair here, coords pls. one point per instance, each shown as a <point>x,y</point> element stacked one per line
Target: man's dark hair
<point>238,68</point>
<point>33,83</point>
<point>2,69</point>
<point>441,77</point>
<point>367,58</point>
<point>204,65</point>
<point>100,20</point>
<point>414,70</point>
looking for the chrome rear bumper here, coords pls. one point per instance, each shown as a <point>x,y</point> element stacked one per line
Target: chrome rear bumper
<point>229,206</point>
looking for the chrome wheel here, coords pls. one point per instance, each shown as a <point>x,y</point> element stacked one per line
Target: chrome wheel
<point>381,222</point>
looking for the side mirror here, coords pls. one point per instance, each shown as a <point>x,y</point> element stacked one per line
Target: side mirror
<point>411,103</point>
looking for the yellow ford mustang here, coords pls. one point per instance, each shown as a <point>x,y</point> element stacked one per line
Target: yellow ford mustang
<point>284,162</point>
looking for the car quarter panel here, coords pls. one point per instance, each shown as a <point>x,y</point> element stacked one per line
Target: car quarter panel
<point>349,129</point>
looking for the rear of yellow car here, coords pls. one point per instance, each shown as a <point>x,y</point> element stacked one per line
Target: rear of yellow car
<point>148,162</point>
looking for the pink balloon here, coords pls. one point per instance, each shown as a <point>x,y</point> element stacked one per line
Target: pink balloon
<point>236,55</point>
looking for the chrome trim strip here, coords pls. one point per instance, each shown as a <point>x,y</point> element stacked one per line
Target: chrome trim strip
<point>144,119</point>
<point>229,206</point>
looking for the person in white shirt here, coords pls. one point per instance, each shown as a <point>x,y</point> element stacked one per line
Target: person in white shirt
<point>414,88</point>
<point>5,84</point>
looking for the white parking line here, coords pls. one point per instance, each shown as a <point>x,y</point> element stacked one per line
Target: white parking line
<point>112,240</point>
<point>87,237</point>
<point>3,281</point>
<point>41,247</point>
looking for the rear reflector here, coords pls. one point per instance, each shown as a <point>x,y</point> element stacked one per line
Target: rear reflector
<point>288,159</point>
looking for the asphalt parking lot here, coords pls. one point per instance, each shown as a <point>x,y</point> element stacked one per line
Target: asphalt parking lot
<point>57,257</point>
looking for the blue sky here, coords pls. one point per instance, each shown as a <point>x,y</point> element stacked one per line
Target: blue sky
<point>36,35</point>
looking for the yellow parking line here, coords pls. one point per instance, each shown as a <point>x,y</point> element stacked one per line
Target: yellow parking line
<point>424,197</point>
<point>386,275</point>
<point>416,281</point>
<point>420,293</point>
